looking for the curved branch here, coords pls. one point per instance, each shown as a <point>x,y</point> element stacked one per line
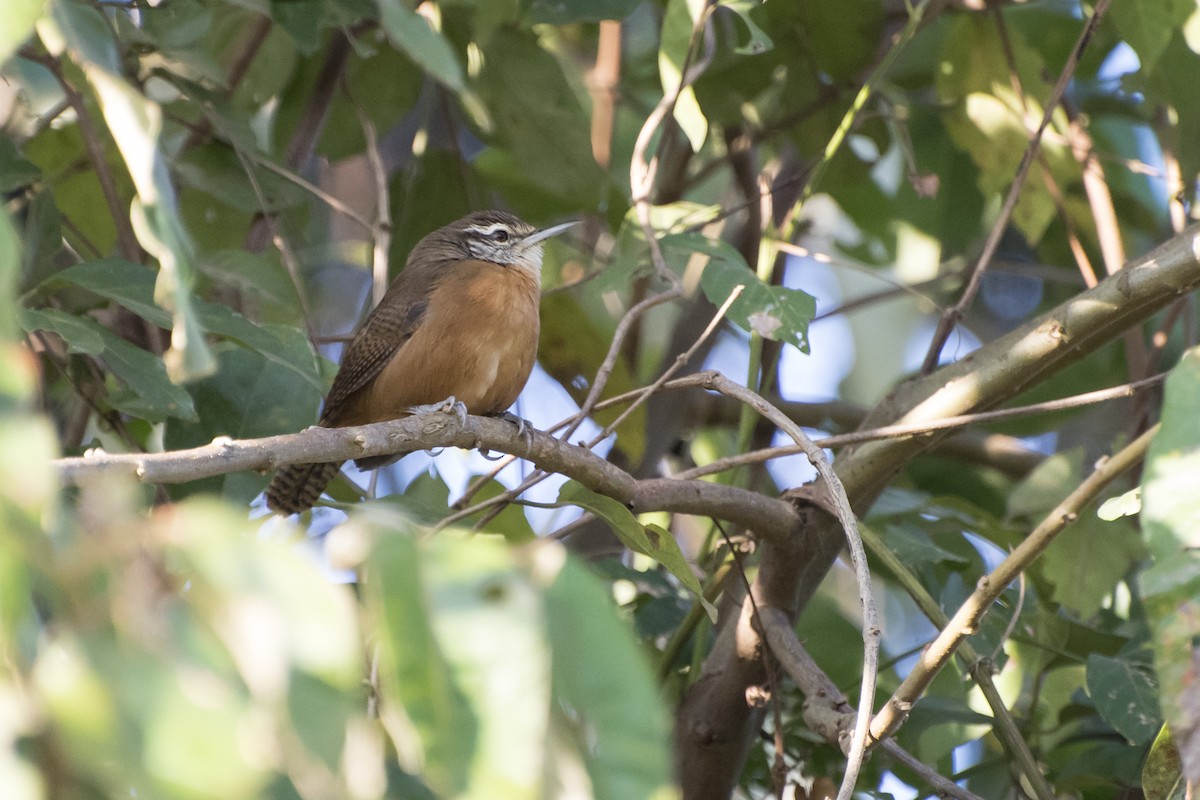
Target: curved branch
<point>767,517</point>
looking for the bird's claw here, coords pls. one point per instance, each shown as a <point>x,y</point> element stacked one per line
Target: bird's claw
<point>450,405</point>
<point>524,427</point>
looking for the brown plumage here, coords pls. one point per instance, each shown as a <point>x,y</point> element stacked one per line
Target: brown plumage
<point>461,320</point>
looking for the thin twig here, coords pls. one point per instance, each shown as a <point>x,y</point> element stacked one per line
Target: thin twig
<point>826,710</point>
<point>117,208</point>
<point>841,505</point>
<point>966,620</point>
<point>290,262</point>
<point>950,319</point>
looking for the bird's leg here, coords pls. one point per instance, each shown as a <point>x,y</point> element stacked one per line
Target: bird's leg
<point>450,405</point>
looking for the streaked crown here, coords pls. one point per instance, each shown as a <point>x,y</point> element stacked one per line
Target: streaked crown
<point>498,237</point>
<point>494,236</point>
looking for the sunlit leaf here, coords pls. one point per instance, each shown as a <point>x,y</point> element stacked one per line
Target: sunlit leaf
<point>412,33</point>
<point>1171,585</point>
<point>773,312</point>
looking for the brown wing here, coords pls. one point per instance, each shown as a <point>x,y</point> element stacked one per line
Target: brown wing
<point>389,326</point>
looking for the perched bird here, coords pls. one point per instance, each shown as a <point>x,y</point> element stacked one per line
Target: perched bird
<point>459,325</point>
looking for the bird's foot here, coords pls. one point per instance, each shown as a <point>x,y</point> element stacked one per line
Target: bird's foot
<point>524,426</point>
<point>450,405</point>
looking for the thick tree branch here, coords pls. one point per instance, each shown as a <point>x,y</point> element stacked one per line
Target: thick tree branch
<point>767,517</point>
<point>715,714</point>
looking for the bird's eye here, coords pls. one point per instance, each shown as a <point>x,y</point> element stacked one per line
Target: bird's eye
<point>500,235</point>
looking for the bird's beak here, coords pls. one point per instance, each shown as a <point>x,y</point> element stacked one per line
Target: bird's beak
<point>546,233</point>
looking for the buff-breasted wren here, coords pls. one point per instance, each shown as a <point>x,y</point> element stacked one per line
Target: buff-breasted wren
<point>459,323</point>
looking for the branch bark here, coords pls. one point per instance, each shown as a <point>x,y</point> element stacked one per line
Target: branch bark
<point>767,517</point>
<point>715,722</point>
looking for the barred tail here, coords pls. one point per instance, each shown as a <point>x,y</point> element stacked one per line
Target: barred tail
<point>295,488</point>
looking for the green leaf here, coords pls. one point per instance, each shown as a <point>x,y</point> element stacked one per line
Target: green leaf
<point>571,349</point>
<point>248,397</point>
<point>1171,585</point>
<point>1087,559</point>
<point>555,154</point>
<point>673,60</point>
<point>649,540</point>
<point>78,332</point>
<point>774,312</point>
<point>1162,774</point>
<point>218,172</point>
<point>1126,696</point>
<point>759,41</point>
<point>19,17</point>
<point>414,671</point>
<point>132,286</point>
<point>602,677</point>
<point>989,120</point>
<point>136,123</point>
<point>564,12</point>
<point>16,171</point>
<point>413,33</point>
<point>1148,25</point>
<point>915,547</point>
<point>10,258</point>
<point>152,395</point>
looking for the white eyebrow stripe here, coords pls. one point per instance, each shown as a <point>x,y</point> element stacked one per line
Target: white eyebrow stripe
<point>488,230</point>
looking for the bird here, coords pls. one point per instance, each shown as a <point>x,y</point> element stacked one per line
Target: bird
<point>457,328</point>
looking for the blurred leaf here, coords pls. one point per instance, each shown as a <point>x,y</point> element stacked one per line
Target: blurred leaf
<point>320,713</point>
<point>1047,485</point>
<point>136,123</point>
<point>564,12</point>
<point>602,677</point>
<point>132,285</point>
<point>10,258</point>
<point>414,672</point>
<point>1162,777</point>
<point>649,540</point>
<point>1148,25</point>
<point>673,54</point>
<point>152,395</point>
<point>413,34</point>
<point>15,170</point>
<point>839,35</point>
<point>571,349</point>
<point>1125,696</point>
<point>248,397</point>
<point>556,153</point>
<point>773,312</point>
<point>1087,559</point>
<point>1171,585</point>
<point>19,17</point>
